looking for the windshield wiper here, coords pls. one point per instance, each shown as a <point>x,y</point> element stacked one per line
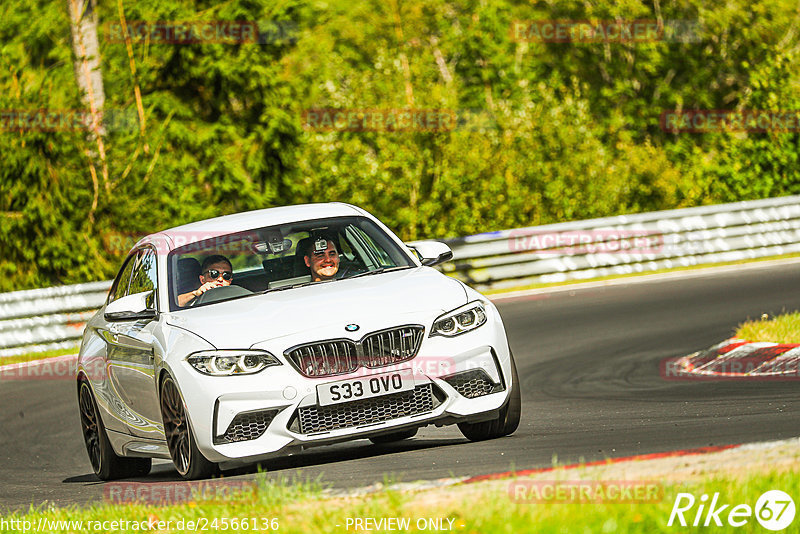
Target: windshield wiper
<point>302,284</point>
<point>380,270</point>
<point>290,286</point>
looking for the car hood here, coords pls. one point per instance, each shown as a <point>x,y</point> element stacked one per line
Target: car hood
<point>417,295</point>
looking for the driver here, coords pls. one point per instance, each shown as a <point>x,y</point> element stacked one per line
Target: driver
<point>216,271</point>
<point>322,258</point>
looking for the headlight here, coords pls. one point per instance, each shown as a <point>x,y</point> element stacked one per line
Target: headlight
<point>231,362</point>
<point>463,319</point>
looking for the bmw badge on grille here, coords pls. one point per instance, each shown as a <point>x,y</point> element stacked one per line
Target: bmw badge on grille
<point>352,327</point>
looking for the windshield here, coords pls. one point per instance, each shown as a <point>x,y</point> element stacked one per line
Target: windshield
<point>278,258</point>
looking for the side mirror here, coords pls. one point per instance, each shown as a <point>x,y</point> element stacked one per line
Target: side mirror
<point>131,307</point>
<point>432,252</point>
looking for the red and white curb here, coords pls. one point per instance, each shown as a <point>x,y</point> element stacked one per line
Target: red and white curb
<point>738,359</point>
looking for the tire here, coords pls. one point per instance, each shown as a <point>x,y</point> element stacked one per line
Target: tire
<point>189,461</point>
<point>106,463</point>
<point>396,436</point>
<point>508,420</point>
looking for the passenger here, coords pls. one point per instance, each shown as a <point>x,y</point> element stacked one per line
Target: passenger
<point>216,271</point>
<point>323,261</point>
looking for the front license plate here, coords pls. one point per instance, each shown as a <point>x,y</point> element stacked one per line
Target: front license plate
<point>365,387</point>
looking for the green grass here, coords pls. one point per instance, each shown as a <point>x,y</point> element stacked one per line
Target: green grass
<point>485,507</point>
<point>37,355</point>
<point>784,328</point>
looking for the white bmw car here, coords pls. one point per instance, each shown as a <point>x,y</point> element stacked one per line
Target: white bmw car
<point>250,336</point>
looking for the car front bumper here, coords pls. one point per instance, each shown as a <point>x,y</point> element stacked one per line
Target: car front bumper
<point>243,419</point>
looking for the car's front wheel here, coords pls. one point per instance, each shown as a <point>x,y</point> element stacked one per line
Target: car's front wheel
<point>188,460</point>
<point>508,420</point>
<point>106,463</point>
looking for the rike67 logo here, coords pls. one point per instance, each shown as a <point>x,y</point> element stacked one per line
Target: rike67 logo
<point>774,510</point>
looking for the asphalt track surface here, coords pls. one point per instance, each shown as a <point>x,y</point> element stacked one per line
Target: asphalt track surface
<point>588,362</point>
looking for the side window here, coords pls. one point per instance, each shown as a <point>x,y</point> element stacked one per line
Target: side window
<point>138,274</point>
<point>143,276</point>
<point>377,254</point>
<point>123,279</point>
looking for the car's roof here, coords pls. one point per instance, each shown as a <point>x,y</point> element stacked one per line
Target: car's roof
<point>238,222</point>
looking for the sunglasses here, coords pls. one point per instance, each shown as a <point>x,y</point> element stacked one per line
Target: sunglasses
<point>213,273</point>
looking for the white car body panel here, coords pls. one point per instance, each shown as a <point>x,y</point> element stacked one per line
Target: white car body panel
<point>127,389</point>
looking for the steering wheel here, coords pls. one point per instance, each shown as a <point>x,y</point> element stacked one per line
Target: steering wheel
<point>216,294</point>
<point>349,267</point>
<point>342,272</point>
<point>199,299</point>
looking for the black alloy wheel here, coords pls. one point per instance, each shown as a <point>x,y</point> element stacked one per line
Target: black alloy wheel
<point>107,465</point>
<point>189,461</point>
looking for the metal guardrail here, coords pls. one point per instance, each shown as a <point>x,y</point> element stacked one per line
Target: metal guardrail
<point>627,244</point>
<point>51,318</point>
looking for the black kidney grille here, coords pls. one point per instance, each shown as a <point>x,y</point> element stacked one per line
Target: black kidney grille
<point>391,346</point>
<point>326,358</point>
<point>341,356</point>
